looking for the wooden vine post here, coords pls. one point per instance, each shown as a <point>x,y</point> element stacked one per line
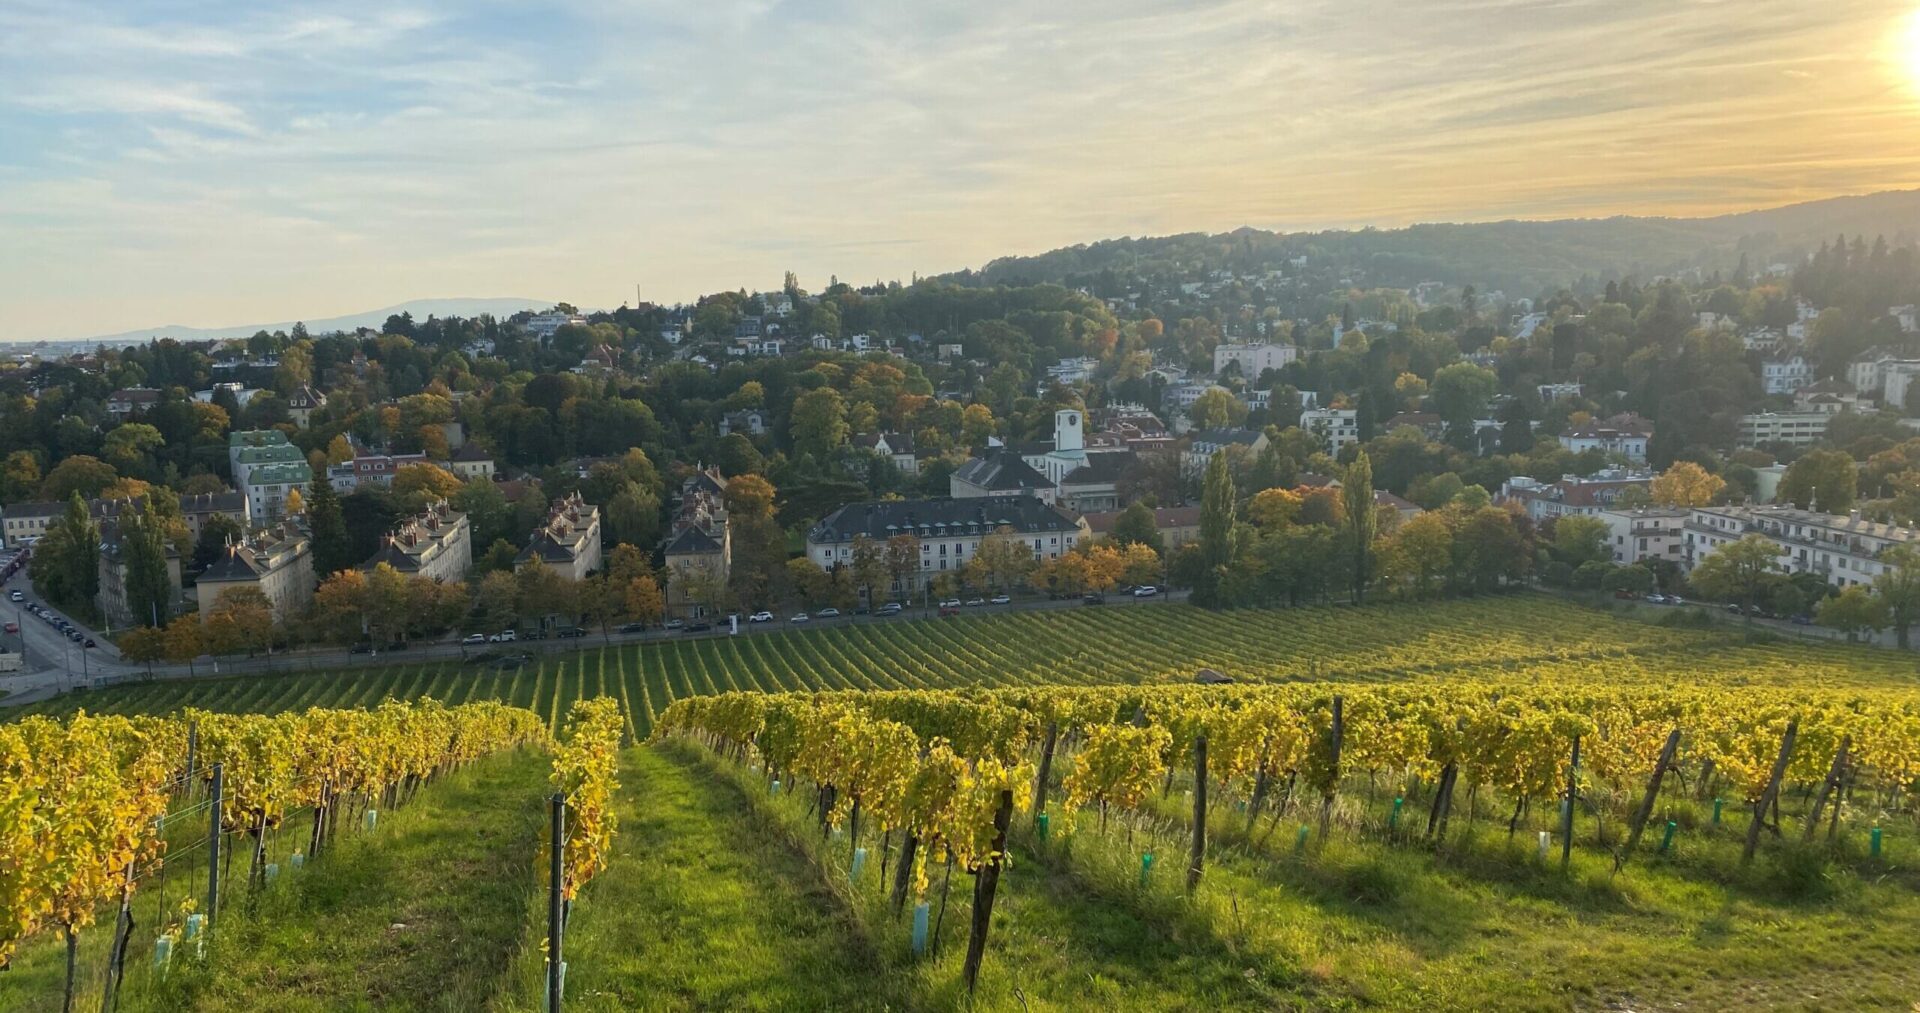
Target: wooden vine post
<point>1834,774</point>
<point>1772,792</point>
<point>1566,814</point>
<point>1644,811</point>
<point>1046,768</point>
<point>1197,864</point>
<point>1333,776</point>
<point>985,883</point>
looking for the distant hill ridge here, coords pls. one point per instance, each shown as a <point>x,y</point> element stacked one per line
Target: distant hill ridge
<point>420,308</point>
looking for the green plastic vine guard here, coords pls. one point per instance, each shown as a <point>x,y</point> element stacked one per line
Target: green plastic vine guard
<point>920,929</point>
<point>859,862</point>
<point>1300,839</point>
<point>1667,841</point>
<point>1545,840</point>
<point>1040,823</point>
<point>1146,866</point>
<point>1393,818</point>
<point>775,790</point>
<point>1717,803</point>
<point>1873,843</point>
<point>162,952</point>
<point>373,818</point>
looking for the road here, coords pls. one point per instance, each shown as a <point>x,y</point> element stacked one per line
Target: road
<point>105,667</point>
<point>50,659</point>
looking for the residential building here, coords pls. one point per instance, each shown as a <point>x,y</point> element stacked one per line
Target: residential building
<point>269,485</point>
<point>242,394</point>
<point>1177,525</point>
<point>895,447</point>
<point>751,421</point>
<point>1795,429</point>
<point>471,461</point>
<point>1844,549</point>
<point>1339,427</point>
<point>131,401</point>
<point>1572,495</point>
<point>1908,317</point>
<point>24,523</point>
<point>1070,371</point>
<point>197,510</point>
<point>568,542</point>
<point>1428,424</point>
<point>999,473</point>
<point>374,469</point>
<point>112,596</point>
<point>277,560</point>
<point>1551,392</point>
<point>1403,509</point>
<point>1182,395</point>
<point>240,442</point>
<point>1829,397</point>
<point>436,543</point>
<point>1896,378</point>
<point>1253,358</point>
<point>1094,485</point>
<point>1868,371</point>
<point>1208,442</point>
<point>1785,375</point>
<point>948,530</point>
<point>1763,339</point>
<point>699,545</point>
<point>302,403</point>
<point>1625,434</point>
<point>544,325</point>
<point>1640,536</point>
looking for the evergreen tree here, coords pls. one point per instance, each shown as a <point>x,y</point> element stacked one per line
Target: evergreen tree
<point>332,548</point>
<point>1216,527</point>
<point>143,551</point>
<point>1356,492</point>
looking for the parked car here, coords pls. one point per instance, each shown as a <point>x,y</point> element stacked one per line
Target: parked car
<point>503,637</point>
<point>16,596</point>
<point>13,627</point>
<point>946,611</point>
<point>700,627</point>
<point>1000,599</point>
<point>674,624</point>
<point>360,648</point>
<point>88,642</point>
<point>570,632</point>
<point>762,616</point>
<point>1674,599</point>
<point>976,602</point>
<point>475,638</point>
<point>891,608</point>
<point>1145,591</point>
<point>1094,599</point>
<point>950,603</point>
<point>1734,608</point>
<point>828,613</point>
<point>800,617</point>
<point>1657,599</point>
<point>1802,619</point>
<point>634,628</point>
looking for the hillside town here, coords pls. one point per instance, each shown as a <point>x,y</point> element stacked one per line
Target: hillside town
<point>1249,436</point>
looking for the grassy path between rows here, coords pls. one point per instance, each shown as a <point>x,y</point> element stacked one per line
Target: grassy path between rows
<point>702,908</point>
<point>419,915</point>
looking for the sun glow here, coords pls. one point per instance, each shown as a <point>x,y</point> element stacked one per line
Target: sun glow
<point>1907,51</point>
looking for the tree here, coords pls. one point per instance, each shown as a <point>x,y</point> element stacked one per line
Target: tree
<point>976,424</point>
<point>19,477</point>
<point>1215,408</point>
<point>144,645</point>
<point>143,554</point>
<point>1898,586</point>
<point>1356,494</point>
<point>1140,563</point>
<point>903,561</point>
<point>332,547</point>
<point>1459,393</point>
<point>186,639</point>
<point>1270,509</point>
<point>644,600</point>
<point>1738,571</point>
<point>869,568</point>
<point>1852,611</point>
<point>241,620</point>
<point>1823,480</point>
<point>79,475</point>
<point>417,485</point>
<point>1216,526</point>
<point>296,504</point>
<point>66,560</point>
<point>1634,579</point>
<point>338,612</point>
<point>1580,540</point>
<point>1418,552</point>
<point>1137,525</point>
<point>1002,561</point>
<point>818,423</point>
<point>1686,484</point>
<point>216,533</point>
<point>809,581</point>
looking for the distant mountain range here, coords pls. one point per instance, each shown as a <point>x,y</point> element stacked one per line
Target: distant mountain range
<point>420,308</point>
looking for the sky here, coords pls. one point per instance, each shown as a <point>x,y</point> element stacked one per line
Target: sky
<point>219,162</point>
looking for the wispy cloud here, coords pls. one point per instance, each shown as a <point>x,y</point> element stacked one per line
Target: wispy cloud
<point>216,161</point>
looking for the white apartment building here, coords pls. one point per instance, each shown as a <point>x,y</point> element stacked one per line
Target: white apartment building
<point>1639,536</point>
<point>1572,495</point>
<point>1897,377</point>
<point>1786,375</point>
<point>1797,429</point>
<point>1842,548</point>
<point>1254,358</point>
<point>1338,426</point>
<point>1625,434</point>
<point>1070,371</point>
<point>436,544</point>
<point>948,531</point>
<point>1551,392</point>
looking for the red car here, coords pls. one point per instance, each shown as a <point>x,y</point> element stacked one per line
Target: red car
<point>13,627</point>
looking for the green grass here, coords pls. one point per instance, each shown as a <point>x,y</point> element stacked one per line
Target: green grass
<point>701,909</point>
<point>1526,637</point>
<point>419,915</point>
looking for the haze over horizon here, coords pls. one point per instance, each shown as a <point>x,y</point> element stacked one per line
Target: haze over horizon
<point>214,163</point>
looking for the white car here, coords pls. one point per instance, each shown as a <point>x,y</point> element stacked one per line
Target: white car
<point>1145,591</point>
<point>829,613</point>
<point>476,638</point>
<point>976,602</point>
<point>760,617</point>
<point>1000,599</point>
<point>800,617</point>
<point>950,603</point>
<point>504,637</point>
